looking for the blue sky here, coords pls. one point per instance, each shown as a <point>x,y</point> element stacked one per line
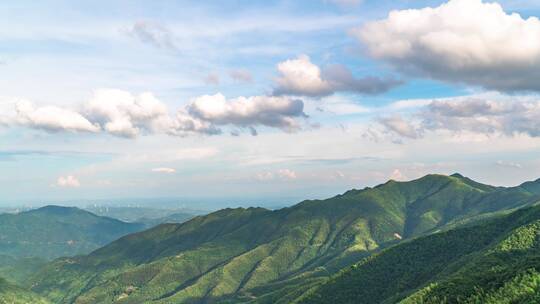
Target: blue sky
<point>262,102</point>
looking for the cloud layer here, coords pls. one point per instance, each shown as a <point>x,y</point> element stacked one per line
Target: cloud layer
<point>476,115</point>
<point>302,77</point>
<point>462,41</point>
<point>123,114</point>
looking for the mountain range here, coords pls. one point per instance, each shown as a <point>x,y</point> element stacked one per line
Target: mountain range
<point>52,231</point>
<point>299,253</point>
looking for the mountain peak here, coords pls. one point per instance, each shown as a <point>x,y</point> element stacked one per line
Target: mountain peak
<point>58,210</point>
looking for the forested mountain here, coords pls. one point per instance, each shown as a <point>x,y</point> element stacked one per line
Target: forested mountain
<point>54,231</point>
<point>493,262</point>
<point>263,256</point>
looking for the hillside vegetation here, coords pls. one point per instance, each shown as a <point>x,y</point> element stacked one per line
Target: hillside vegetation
<point>494,262</point>
<point>263,256</point>
<point>54,231</point>
<point>11,294</point>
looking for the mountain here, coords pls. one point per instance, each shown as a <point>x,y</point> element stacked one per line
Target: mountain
<point>532,187</point>
<point>262,256</point>
<point>11,294</point>
<point>497,261</point>
<point>54,231</point>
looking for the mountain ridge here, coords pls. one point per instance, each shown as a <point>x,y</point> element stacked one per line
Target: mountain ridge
<point>235,253</point>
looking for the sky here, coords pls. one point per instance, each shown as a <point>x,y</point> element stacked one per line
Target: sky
<point>263,102</point>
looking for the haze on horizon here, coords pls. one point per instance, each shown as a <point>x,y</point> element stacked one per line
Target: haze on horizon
<point>263,101</point>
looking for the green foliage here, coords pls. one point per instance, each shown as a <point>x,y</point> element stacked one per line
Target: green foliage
<point>494,262</point>
<point>53,231</point>
<point>17,270</point>
<point>11,294</point>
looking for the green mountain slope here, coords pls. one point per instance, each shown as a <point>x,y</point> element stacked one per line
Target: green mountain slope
<point>494,262</point>
<point>258,255</point>
<point>532,187</point>
<point>11,294</point>
<point>53,231</point>
<point>17,270</point>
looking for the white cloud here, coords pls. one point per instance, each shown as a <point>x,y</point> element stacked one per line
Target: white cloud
<point>270,111</point>
<point>51,118</point>
<point>397,175</point>
<point>287,174</point>
<point>123,114</point>
<point>282,174</point>
<point>164,170</point>
<point>69,181</point>
<point>241,75</point>
<point>301,77</point>
<point>464,41</point>
<point>484,116</point>
<point>508,116</point>
<point>506,164</point>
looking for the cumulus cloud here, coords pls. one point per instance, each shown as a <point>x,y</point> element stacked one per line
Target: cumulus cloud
<point>475,115</point>
<point>164,170</point>
<point>271,111</point>
<point>241,75</point>
<point>51,118</point>
<point>123,114</point>
<point>69,181</point>
<point>462,41</point>
<point>302,77</point>
<point>484,116</point>
<point>152,33</point>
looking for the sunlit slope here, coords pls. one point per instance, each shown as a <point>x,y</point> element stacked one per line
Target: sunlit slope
<point>11,294</point>
<point>257,255</point>
<point>54,231</point>
<point>497,261</point>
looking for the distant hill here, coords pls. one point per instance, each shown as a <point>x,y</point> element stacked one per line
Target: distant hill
<point>262,256</point>
<point>150,217</point>
<point>11,294</point>
<point>494,262</point>
<point>54,231</point>
<point>174,218</point>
